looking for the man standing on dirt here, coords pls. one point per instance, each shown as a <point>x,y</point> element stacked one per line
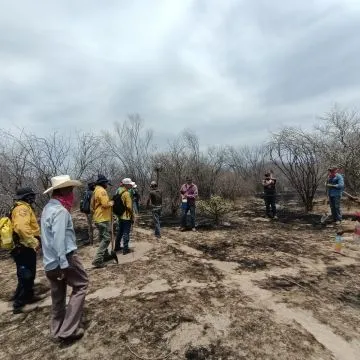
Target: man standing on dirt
<point>155,201</point>
<point>62,264</point>
<point>26,241</point>
<point>102,212</point>
<point>88,195</point>
<point>335,187</point>
<point>135,196</point>
<point>269,184</point>
<point>127,217</point>
<point>189,193</point>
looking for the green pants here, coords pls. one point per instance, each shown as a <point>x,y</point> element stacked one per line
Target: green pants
<point>104,236</point>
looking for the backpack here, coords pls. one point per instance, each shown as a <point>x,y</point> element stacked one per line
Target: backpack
<point>118,207</point>
<point>8,238</point>
<point>85,202</point>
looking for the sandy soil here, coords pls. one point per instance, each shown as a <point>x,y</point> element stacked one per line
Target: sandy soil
<point>256,289</point>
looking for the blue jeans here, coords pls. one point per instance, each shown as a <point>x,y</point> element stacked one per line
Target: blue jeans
<point>136,207</point>
<point>25,260</point>
<point>124,234</point>
<point>185,210</point>
<point>335,207</point>
<point>156,217</point>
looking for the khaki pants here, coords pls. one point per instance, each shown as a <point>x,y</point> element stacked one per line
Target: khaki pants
<point>66,319</point>
<point>102,254</point>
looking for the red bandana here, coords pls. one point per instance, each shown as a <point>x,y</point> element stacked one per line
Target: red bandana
<point>66,200</point>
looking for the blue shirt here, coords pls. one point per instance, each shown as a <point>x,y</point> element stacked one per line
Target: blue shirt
<point>57,235</point>
<point>338,182</point>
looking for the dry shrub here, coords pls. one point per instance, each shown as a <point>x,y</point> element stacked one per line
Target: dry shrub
<point>216,207</point>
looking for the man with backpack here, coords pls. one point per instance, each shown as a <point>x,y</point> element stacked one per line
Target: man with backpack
<point>335,188</point>
<point>85,207</point>
<point>123,208</point>
<point>26,235</point>
<point>102,212</point>
<point>189,193</point>
<point>155,201</point>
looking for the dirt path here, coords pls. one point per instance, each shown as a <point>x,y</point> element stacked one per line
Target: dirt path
<point>340,348</point>
<point>170,296</point>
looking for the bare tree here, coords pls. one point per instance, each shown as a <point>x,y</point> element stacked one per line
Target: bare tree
<point>248,164</point>
<point>88,155</point>
<point>131,145</point>
<point>294,153</point>
<point>174,163</point>
<point>340,143</point>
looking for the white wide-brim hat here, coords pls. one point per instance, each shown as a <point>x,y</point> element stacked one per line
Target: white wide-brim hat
<point>62,181</point>
<point>127,181</point>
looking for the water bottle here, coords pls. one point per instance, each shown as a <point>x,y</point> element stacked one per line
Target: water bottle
<point>338,243</point>
<point>357,232</point>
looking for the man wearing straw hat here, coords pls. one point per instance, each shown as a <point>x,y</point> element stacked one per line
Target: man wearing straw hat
<point>62,264</point>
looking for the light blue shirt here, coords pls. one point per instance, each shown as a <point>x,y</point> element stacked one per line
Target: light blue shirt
<point>57,235</point>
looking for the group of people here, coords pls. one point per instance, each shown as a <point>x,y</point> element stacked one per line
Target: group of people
<point>57,240</point>
<point>334,189</point>
<point>125,206</point>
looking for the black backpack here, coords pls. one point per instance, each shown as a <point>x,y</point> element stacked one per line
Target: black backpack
<point>85,202</point>
<point>118,207</point>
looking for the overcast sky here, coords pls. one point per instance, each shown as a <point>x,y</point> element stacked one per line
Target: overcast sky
<point>230,70</point>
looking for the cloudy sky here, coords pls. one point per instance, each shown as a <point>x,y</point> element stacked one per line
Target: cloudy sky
<point>230,70</point>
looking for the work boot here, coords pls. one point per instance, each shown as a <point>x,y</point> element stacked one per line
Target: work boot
<point>158,236</point>
<point>36,298</point>
<point>99,265</point>
<point>126,251</point>
<point>18,310</point>
<point>78,334</point>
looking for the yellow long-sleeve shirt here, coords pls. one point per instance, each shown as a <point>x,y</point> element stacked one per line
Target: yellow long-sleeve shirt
<point>25,224</point>
<point>100,205</point>
<point>128,203</point>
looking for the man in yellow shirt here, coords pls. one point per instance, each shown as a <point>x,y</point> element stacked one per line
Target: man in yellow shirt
<point>126,218</point>
<point>26,240</point>
<point>102,211</point>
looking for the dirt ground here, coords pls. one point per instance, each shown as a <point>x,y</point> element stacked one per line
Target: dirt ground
<point>251,289</point>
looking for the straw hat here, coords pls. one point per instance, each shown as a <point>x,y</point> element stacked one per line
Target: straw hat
<point>62,181</point>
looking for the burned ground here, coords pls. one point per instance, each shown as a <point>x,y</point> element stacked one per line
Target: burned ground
<point>249,289</point>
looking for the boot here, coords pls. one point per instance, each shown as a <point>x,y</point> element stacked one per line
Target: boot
<point>36,298</point>
<point>99,265</point>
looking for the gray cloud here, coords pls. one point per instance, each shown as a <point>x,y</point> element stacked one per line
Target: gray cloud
<point>231,71</point>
